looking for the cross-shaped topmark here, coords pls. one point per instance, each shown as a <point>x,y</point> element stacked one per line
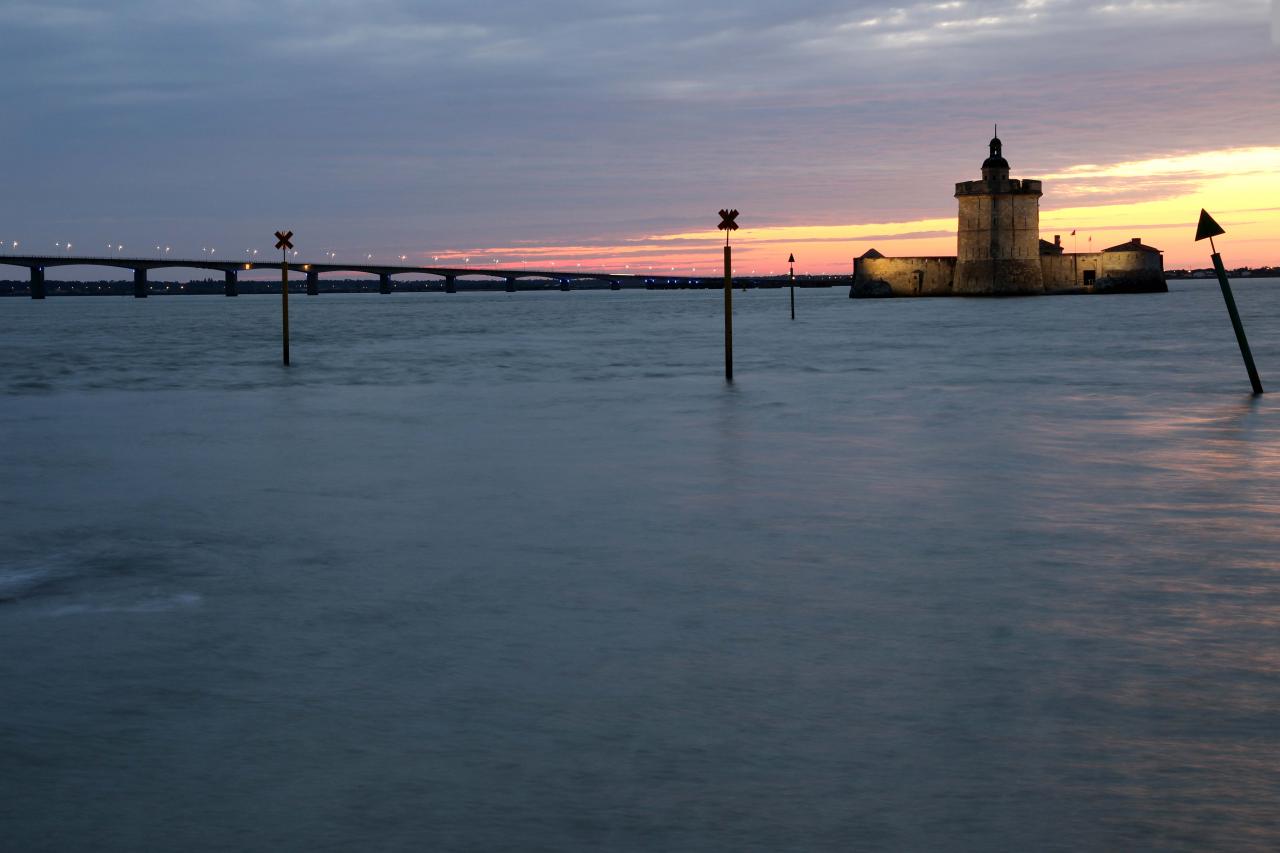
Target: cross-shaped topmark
<point>284,240</point>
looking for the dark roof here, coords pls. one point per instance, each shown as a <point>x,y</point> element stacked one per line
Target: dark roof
<point>1047,248</point>
<point>872,253</point>
<point>996,160</point>
<point>1134,245</point>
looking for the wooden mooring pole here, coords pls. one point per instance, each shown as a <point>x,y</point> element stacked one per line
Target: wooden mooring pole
<point>728,312</point>
<point>728,224</point>
<point>283,243</point>
<point>792,261</point>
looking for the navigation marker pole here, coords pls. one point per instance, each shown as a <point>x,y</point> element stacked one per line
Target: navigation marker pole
<point>284,244</point>
<point>1208,228</point>
<point>792,260</point>
<point>727,224</point>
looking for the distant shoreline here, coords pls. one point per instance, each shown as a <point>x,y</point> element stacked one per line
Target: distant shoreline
<point>211,287</point>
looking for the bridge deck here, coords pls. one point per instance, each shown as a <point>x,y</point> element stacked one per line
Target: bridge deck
<point>300,267</point>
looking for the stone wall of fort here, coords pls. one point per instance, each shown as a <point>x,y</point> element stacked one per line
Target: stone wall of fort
<point>1105,272</point>
<point>1131,272</point>
<point>903,277</point>
<point>1094,272</point>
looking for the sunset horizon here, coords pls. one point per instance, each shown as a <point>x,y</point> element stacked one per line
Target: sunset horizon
<point>1134,114</point>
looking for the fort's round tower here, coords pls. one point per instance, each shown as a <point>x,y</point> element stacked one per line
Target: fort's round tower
<point>998,251</point>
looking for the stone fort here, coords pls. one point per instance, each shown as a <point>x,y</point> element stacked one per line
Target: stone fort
<point>999,251</point>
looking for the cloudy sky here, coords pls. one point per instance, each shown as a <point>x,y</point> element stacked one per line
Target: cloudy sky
<point>607,134</point>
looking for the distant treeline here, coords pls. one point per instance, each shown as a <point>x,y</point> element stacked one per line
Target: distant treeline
<point>1241,272</point>
<point>216,287</point>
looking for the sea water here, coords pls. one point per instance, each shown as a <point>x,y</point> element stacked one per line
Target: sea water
<point>521,572</point>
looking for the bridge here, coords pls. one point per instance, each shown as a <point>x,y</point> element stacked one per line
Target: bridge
<point>141,267</point>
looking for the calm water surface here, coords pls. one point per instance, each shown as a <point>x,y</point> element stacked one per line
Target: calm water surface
<point>519,572</point>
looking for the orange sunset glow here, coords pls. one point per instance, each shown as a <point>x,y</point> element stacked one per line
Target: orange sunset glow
<point>1162,198</point>
<point>549,140</point>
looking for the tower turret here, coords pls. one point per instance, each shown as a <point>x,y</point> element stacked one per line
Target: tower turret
<point>996,168</point>
<point>998,239</point>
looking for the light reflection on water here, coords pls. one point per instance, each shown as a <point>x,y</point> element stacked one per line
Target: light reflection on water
<point>491,572</point>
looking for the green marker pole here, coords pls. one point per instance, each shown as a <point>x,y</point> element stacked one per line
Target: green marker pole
<point>1207,230</point>
<point>1235,321</point>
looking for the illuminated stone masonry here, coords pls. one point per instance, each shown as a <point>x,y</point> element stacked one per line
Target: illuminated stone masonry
<point>999,252</point>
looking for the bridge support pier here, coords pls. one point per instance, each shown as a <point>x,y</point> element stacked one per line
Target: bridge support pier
<point>231,286</point>
<point>451,284</point>
<point>140,283</point>
<point>564,284</point>
<point>37,282</point>
<point>384,283</point>
<point>511,284</point>
<point>313,283</point>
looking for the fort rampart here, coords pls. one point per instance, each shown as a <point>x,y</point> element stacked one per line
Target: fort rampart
<point>1000,252</point>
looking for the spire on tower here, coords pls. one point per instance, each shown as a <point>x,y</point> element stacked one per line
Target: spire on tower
<point>996,167</point>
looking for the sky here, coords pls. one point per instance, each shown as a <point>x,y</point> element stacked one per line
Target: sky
<point>560,133</point>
